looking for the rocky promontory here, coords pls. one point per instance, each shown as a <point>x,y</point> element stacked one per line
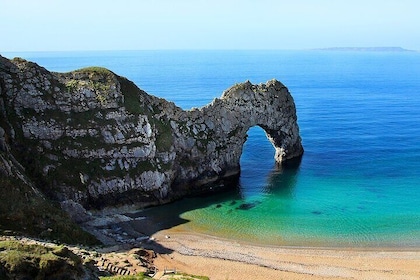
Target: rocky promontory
<point>92,138</point>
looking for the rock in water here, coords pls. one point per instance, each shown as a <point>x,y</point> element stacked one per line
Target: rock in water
<point>93,137</point>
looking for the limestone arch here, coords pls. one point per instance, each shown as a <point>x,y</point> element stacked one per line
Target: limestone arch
<point>269,106</point>
<point>275,137</point>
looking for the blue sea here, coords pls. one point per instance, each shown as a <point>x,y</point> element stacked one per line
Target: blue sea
<point>358,184</point>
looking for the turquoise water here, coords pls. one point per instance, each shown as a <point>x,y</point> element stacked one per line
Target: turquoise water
<point>298,207</point>
<point>358,183</point>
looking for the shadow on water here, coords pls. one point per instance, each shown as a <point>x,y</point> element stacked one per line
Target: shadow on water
<point>169,215</point>
<point>146,222</point>
<point>282,179</point>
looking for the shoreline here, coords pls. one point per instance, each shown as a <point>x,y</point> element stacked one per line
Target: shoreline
<point>297,247</point>
<point>175,248</point>
<point>218,258</point>
<point>199,254</point>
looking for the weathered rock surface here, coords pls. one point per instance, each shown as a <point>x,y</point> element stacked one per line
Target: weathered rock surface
<point>25,210</point>
<point>91,137</point>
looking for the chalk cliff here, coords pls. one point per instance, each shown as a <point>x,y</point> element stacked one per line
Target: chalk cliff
<point>93,138</point>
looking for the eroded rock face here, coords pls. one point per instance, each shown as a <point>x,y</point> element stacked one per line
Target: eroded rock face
<point>93,137</point>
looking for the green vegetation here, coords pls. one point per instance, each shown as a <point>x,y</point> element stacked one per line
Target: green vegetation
<point>76,119</point>
<point>72,85</point>
<point>164,138</point>
<point>184,276</point>
<point>134,105</point>
<point>68,172</point>
<point>98,79</point>
<point>131,96</point>
<point>25,212</point>
<point>19,60</point>
<point>101,89</point>
<point>32,261</point>
<point>95,70</point>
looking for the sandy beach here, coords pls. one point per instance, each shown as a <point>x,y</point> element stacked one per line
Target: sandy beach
<point>178,248</point>
<point>226,259</point>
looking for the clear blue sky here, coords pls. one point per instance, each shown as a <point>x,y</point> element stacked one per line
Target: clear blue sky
<point>48,25</point>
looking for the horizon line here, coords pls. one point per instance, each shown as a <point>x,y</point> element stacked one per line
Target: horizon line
<point>348,48</point>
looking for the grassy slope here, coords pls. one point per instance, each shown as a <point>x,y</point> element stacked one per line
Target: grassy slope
<point>23,212</point>
<point>38,262</point>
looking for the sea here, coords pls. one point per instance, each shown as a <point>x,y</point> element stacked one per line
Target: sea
<point>358,183</point>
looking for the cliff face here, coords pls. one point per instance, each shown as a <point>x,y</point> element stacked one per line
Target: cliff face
<point>24,209</point>
<point>94,138</point>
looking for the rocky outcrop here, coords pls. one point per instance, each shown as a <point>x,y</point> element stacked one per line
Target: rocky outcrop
<point>93,138</point>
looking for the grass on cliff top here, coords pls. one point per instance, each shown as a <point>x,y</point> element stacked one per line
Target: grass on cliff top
<point>36,261</point>
<point>24,212</point>
<point>131,96</point>
<point>95,70</point>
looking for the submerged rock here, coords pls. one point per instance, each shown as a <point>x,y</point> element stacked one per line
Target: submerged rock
<point>95,138</point>
<point>248,206</point>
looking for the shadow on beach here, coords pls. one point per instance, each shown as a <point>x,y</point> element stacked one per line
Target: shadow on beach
<point>127,229</point>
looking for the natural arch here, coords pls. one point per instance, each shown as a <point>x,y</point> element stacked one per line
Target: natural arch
<point>271,107</point>
<point>225,124</point>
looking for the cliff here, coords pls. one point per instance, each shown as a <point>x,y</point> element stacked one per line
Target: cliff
<point>24,209</point>
<point>93,138</point>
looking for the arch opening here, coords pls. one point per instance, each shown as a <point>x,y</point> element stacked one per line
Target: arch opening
<point>257,162</point>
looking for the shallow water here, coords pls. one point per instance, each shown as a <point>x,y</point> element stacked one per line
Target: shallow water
<point>358,183</point>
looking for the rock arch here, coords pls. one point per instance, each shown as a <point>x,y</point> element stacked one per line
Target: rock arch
<point>228,119</point>
<point>271,107</point>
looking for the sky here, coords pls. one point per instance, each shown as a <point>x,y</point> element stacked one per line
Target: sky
<point>58,25</point>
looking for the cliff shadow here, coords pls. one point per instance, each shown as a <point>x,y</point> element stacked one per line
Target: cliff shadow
<point>137,228</point>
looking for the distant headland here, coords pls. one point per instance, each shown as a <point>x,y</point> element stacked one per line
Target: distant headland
<point>366,49</point>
